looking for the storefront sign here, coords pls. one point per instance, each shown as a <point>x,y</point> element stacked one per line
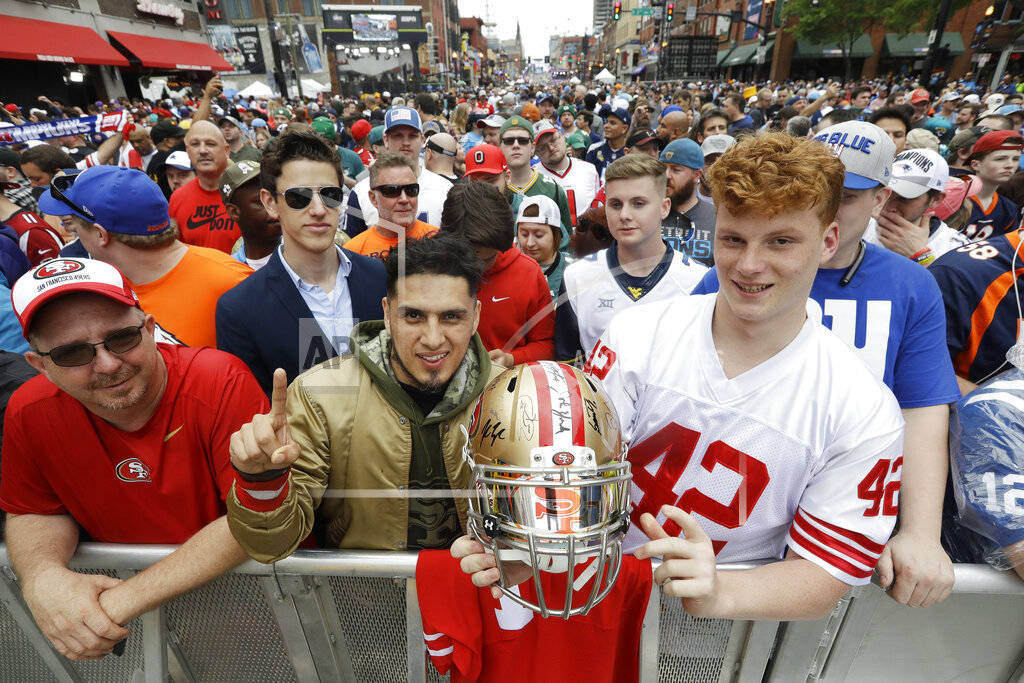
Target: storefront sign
<point>240,46</point>
<point>162,9</point>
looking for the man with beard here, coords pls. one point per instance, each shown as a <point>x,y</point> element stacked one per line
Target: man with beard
<point>385,418</point>
<point>197,207</point>
<point>577,177</point>
<point>116,438</point>
<point>240,149</point>
<point>690,225</point>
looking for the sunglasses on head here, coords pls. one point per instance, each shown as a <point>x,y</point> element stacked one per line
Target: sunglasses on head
<point>61,184</point>
<point>300,197</point>
<point>82,353</point>
<point>392,191</point>
<point>523,142</point>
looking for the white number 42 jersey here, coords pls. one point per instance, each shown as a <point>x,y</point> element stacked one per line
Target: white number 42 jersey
<point>802,450</point>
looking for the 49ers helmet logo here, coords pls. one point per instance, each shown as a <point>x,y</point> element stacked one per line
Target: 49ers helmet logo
<point>56,267</point>
<point>132,470</point>
<point>563,458</point>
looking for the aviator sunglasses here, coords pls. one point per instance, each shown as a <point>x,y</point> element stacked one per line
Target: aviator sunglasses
<point>300,197</point>
<point>82,353</point>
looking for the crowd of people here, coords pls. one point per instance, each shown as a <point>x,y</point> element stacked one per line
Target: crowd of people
<point>220,314</point>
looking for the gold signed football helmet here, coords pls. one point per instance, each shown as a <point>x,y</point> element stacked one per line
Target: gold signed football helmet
<point>550,480</point>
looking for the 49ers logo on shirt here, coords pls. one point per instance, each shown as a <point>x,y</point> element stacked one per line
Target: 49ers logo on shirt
<point>132,470</point>
<point>57,267</point>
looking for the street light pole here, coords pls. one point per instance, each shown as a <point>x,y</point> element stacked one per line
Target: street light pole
<point>275,49</point>
<point>933,48</point>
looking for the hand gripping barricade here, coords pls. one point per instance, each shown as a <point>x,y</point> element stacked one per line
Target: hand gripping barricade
<point>550,483</point>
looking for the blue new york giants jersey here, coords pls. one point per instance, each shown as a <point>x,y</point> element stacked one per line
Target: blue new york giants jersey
<point>891,315</point>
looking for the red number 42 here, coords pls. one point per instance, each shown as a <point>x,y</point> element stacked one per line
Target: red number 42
<point>882,496</point>
<point>677,443</point>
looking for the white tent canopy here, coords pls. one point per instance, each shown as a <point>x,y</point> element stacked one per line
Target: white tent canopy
<point>310,86</point>
<point>574,80</point>
<point>605,76</point>
<point>257,89</point>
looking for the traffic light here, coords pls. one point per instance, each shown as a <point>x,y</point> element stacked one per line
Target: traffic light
<point>617,12</point>
<point>669,9</point>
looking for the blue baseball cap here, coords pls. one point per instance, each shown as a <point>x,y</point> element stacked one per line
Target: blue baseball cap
<point>259,123</point>
<point>53,206</point>
<point>669,109</point>
<point>621,113</point>
<point>1008,109</point>
<point>402,116</point>
<point>122,200</point>
<point>683,152</point>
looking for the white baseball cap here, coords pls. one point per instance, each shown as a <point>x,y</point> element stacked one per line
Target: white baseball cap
<point>492,121</point>
<point>916,171</point>
<point>541,127</point>
<point>549,213</point>
<point>62,276</point>
<point>951,97</point>
<point>972,99</point>
<point>717,144</point>
<point>865,150</point>
<point>179,160</point>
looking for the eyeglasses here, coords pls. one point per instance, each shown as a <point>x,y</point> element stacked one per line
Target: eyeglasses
<point>392,191</point>
<point>82,353</point>
<point>299,197</point>
<point>523,142</point>
<point>59,185</point>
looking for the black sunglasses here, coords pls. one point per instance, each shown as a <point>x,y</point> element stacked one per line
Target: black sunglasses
<point>82,353</point>
<point>59,185</point>
<point>392,191</point>
<point>300,197</point>
<point>523,142</point>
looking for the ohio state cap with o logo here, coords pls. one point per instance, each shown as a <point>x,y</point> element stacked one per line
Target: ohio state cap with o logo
<point>65,276</point>
<point>485,159</point>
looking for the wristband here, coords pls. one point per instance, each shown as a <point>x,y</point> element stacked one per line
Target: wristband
<point>919,255</point>
<point>266,475</point>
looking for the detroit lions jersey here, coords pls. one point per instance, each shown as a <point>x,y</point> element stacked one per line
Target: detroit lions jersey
<point>595,288</point>
<point>580,182</point>
<point>890,313</point>
<point>987,463</point>
<point>802,450</point>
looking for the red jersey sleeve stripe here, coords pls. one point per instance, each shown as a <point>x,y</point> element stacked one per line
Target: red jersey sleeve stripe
<point>802,543</point>
<point>859,556</point>
<point>859,539</point>
<point>262,496</point>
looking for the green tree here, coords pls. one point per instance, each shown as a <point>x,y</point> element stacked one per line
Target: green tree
<point>835,22</point>
<point>913,16</point>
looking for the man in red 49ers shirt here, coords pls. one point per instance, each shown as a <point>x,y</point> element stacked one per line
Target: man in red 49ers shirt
<point>123,437</point>
<point>766,438</point>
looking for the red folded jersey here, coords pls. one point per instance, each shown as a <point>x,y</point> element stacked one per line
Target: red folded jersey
<point>477,638</point>
<point>37,239</point>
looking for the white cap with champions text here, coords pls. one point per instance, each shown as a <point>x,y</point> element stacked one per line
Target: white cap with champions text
<point>916,171</point>
<point>865,150</point>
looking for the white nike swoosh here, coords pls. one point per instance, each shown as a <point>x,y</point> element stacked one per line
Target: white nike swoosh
<point>496,299</point>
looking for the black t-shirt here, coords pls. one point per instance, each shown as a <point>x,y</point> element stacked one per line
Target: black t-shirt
<point>424,400</point>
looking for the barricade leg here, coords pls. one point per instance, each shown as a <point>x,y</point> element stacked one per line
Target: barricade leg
<point>800,645</point>
<point>414,635</point>
<point>649,637</point>
<point>154,647</point>
<point>10,595</point>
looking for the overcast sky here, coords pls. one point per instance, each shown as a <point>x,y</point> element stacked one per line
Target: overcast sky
<point>539,19</point>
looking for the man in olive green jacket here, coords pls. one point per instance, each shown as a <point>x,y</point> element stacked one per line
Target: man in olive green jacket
<point>345,450</point>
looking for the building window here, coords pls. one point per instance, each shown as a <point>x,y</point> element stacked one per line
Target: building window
<point>310,8</point>
<point>237,9</point>
<point>284,6</point>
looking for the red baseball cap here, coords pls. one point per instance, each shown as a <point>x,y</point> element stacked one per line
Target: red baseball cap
<point>998,139</point>
<point>361,128</point>
<point>485,159</point>
<point>63,276</point>
<point>919,95</point>
<point>11,108</point>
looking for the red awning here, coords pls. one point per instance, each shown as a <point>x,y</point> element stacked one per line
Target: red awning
<point>48,41</point>
<point>163,53</point>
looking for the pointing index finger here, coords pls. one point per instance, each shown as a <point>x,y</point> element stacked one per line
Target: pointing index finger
<point>278,399</point>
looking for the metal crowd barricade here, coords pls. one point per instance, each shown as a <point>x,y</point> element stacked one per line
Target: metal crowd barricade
<point>353,616</point>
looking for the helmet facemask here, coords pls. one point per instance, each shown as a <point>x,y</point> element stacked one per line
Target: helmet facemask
<point>559,507</point>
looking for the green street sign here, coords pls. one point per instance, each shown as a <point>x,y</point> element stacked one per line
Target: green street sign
<point>643,11</point>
